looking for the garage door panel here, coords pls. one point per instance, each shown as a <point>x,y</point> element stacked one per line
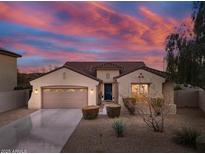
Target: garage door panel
<point>65,97</point>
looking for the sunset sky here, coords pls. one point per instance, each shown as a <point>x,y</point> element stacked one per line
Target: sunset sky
<point>55,32</point>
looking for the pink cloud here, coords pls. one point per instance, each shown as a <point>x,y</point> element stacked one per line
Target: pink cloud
<point>22,15</point>
<point>143,34</point>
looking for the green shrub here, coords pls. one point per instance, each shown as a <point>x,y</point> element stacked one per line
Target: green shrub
<point>119,127</point>
<point>200,143</point>
<point>90,112</point>
<point>129,103</point>
<point>157,104</point>
<point>186,136</point>
<point>22,87</point>
<point>113,110</point>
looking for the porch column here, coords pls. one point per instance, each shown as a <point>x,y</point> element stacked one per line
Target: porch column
<point>99,93</point>
<point>115,91</point>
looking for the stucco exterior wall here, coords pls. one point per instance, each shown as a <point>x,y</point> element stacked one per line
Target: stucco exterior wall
<point>13,99</point>
<point>186,98</point>
<point>157,88</point>
<point>8,73</point>
<point>101,74</point>
<point>155,81</point>
<point>190,98</point>
<point>168,93</point>
<point>63,77</point>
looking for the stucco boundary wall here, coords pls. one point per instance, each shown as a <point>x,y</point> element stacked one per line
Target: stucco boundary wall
<point>186,98</point>
<point>190,98</point>
<point>13,99</point>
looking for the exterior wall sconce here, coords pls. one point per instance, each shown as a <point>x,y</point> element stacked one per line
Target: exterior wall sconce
<point>36,91</point>
<point>91,91</point>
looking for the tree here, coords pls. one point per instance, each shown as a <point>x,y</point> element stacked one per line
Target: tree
<point>198,17</point>
<point>186,50</point>
<point>199,29</point>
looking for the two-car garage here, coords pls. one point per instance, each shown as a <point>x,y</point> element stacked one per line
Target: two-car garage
<point>64,97</point>
<point>63,88</point>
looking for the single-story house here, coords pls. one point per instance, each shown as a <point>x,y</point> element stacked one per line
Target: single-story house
<point>8,70</point>
<point>78,84</point>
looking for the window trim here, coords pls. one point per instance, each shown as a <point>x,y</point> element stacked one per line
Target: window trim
<point>147,83</point>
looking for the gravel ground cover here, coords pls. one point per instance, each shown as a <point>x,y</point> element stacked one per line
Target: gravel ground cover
<point>12,115</point>
<point>98,136</point>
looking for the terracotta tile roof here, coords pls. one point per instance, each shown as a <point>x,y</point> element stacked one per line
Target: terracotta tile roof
<point>154,71</point>
<point>157,72</point>
<point>68,67</point>
<point>9,53</point>
<point>91,67</point>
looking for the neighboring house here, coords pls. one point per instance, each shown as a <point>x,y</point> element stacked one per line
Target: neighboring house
<point>77,84</point>
<point>8,70</point>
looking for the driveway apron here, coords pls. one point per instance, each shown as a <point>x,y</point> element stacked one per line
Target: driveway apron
<point>45,130</point>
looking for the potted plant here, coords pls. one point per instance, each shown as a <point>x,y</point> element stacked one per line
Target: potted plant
<point>113,110</point>
<point>90,112</point>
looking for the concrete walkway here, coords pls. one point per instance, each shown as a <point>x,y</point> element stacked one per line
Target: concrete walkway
<point>46,130</point>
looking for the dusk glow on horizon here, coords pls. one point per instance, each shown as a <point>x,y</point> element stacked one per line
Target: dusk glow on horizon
<point>51,33</point>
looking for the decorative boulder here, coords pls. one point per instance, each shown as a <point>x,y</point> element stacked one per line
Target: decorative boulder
<point>90,112</point>
<point>200,143</point>
<point>113,110</point>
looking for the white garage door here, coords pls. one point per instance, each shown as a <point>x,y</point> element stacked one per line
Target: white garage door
<point>61,97</point>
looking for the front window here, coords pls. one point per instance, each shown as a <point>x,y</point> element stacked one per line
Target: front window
<point>139,90</point>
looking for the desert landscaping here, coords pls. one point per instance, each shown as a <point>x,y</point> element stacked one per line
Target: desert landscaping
<point>98,135</point>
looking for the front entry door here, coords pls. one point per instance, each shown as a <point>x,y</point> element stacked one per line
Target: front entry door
<point>108,91</point>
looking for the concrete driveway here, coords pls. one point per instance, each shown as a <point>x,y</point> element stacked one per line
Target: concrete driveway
<point>46,130</point>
